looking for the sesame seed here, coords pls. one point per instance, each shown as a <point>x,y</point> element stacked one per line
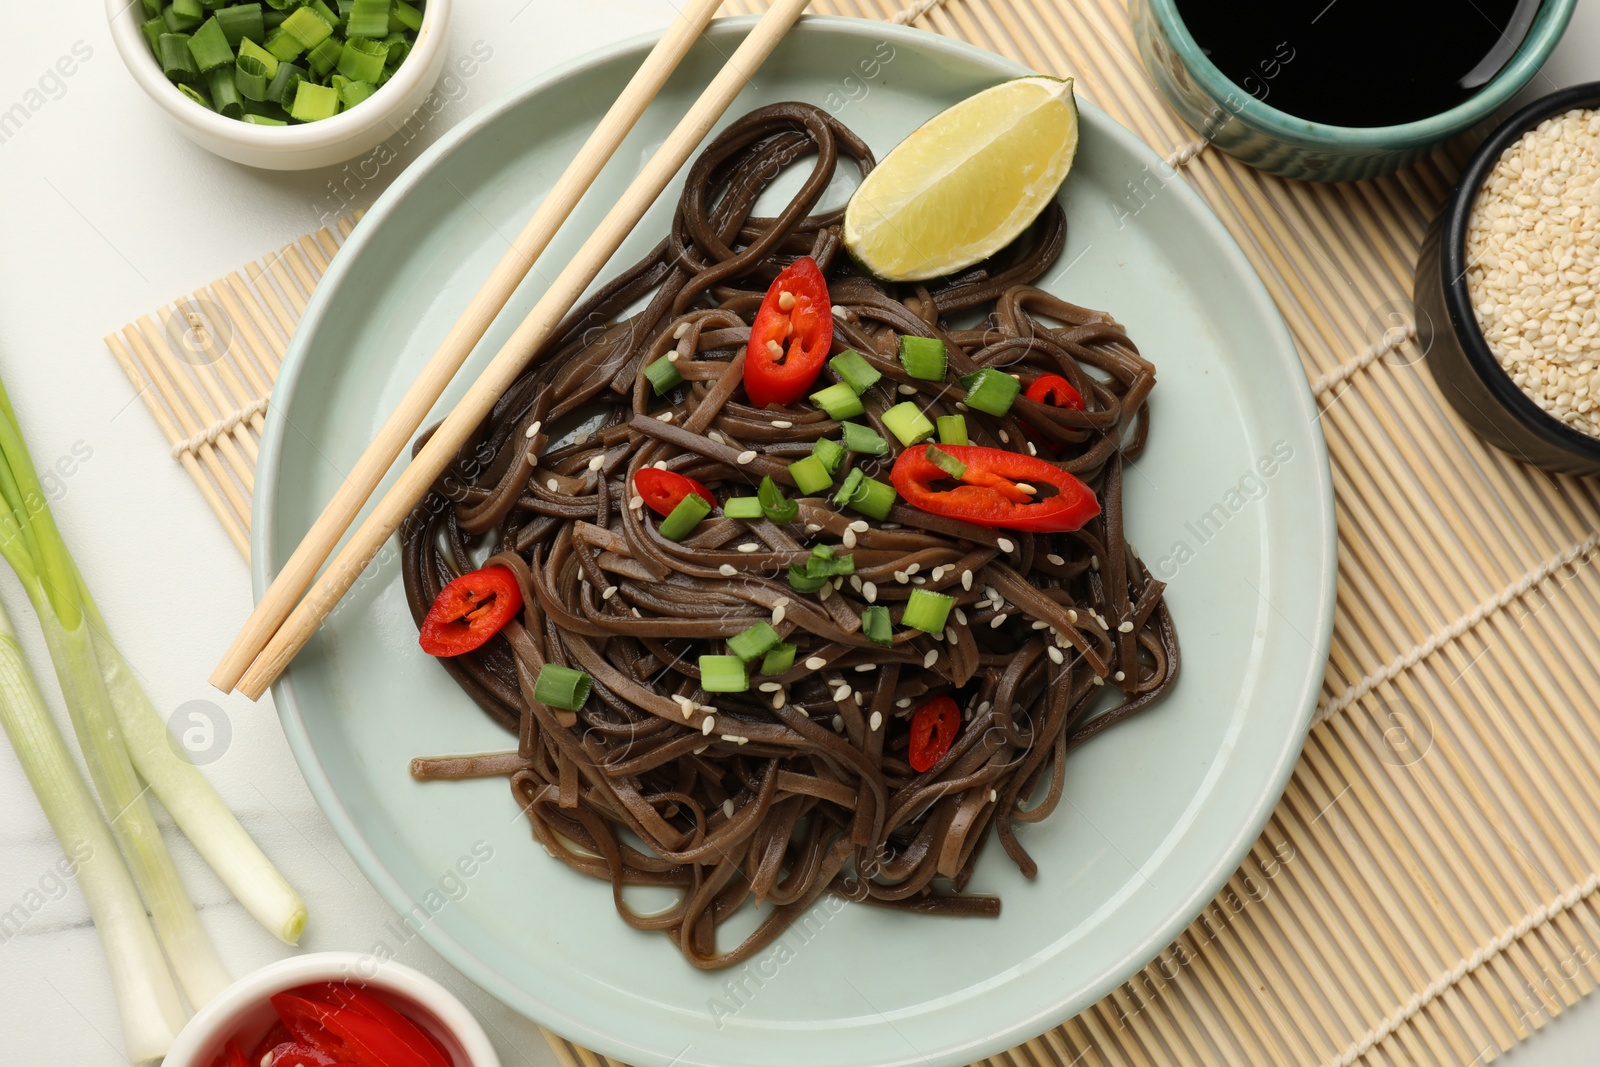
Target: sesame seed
<point>683,328</point>
<point>552,485</point>
<point>1119,676</point>
<point>708,724</point>
<point>966,580</point>
<point>812,527</point>
<point>749,546</point>
<point>1072,616</point>
<point>837,311</point>
<point>858,698</point>
<point>672,357</point>
<point>815,663</point>
<point>1032,451</point>
<point>1125,627</point>
<point>1099,680</point>
<point>998,621</point>
<point>1039,624</point>
<point>685,705</point>
<point>1055,559</point>
<point>1055,654</point>
<point>665,416</point>
<point>786,300</point>
<point>938,636</point>
<point>950,634</point>
<point>778,699</point>
<point>984,707</point>
<point>1005,438</point>
<point>993,796</point>
<point>906,390</point>
<point>960,406</point>
<point>727,807</point>
<point>636,502</point>
<point>777,614</point>
<point>636,613</point>
<point>914,568</point>
<point>870,591</point>
<point>903,702</point>
<point>838,723</point>
<point>727,570</point>
<point>931,658</point>
<point>1005,544</point>
<point>610,591</point>
<point>746,456</point>
<point>734,738</point>
<point>660,464</point>
<point>769,687</point>
<point>961,617</point>
<point>902,577</point>
<point>716,435</point>
<point>842,693</point>
<point>849,538</point>
<point>782,424</point>
<point>860,526</point>
<point>1094,562</point>
<point>697,752</point>
<point>876,721</point>
<point>825,592</point>
<point>596,462</point>
<point>532,431</point>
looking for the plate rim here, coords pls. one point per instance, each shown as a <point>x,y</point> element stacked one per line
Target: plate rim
<point>613,1042</point>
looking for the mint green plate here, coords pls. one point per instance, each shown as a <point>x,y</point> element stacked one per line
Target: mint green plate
<point>1231,502</point>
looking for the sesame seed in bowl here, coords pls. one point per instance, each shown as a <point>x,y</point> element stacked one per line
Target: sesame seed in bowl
<point>1507,283</point>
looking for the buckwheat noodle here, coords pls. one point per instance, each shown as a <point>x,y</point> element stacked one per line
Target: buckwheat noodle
<point>801,786</point>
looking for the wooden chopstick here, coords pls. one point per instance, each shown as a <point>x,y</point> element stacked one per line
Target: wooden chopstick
<point>401,426</point>
<point>509,362</point>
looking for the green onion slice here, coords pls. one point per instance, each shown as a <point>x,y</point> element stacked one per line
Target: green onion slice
<point>810,476</point>
<point>250,76</point>
<point>863,439</point>
<point>778,508</point>
<point>177,62</point>
<point>927,611</point>
<point>662,375</point>
<point>946,462</point>
<point>210,47</point>
<point>839,401</point>
<point>561,687</point>
<point>313,102</point>
<point>854,370</point>
<point>829,453</point>
<point>742,507</point>
<point>723,674</point>
<point>875,623</point>
<point>307,27</point>
<point>907,422</point>
<point>923,357</point>
<point>325,56</point>
<point>953,430</point>
<point>225,96</point>
<point>779,659</point>
<point>873,498</point>
<point>847,489</point>
<point>368,18</point>
<point>240,23</point>
<point>755,641</point>
<point>684,518</point>
<point>990,390</point>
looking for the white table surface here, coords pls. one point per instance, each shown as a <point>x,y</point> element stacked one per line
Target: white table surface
<point>107,211</point>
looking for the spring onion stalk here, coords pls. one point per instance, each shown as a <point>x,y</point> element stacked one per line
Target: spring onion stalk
<point>877,626</point>
<point>829,453</point>
<point>723,674</point>
<point>923,357</point>
<point>852,368</point>
<point>742,507</point>
<point>872,498</point>
<point>952,429</point>
<point>778,508</point>
<point>809,475</point>
<point>907,422</point>
<point>680,523</point>
<point>147,999</point>
<point>33,546</point>
<point>863,439</point>
<point>990,390</point>
<point>561,687</point>
<point>662,374</point>
<point>779,660</point>
<point>754,641</point>
<point>927,611</point>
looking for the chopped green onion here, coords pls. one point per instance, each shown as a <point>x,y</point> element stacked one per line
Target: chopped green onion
<point>863,439</point>
<point>756,640</point>
<point>250,76</point>
<point>285,85</point>
<point>152,30</point>
<point>990,390</point>
<point>723,674</point>
<point>801,582</point>
<point>368,18</point>
<point>240,23</point>
<point>923,357</point>
<point>873,498</point>
<point>742,507</point>
<point>325,13</point>
<point>263,120</point>
<point>684,517</point>
<point>907,422</point>
<point>313,102</point>
<point>946,462</point>
<point>662,374</point>
<point>829,453</point>
<point>824,564</point>
<point>854,370</point>
<point>307,27</point>
<point>396,46</point>
<point>225,96</point>
<point>778,508</point>
<point>209,46</point>
<point>875,623</point>
<point>325,56</point>
<point>177,62</point>
<point>184,15</point>
<point>839,401</point>
<point>284,44</point>
<point>810,476</point>
<point>268,60</point>
<point>406,15</point>
<point>272,19</point>
<point>779,659</point>
<point>362,59</point>
<point>561,687</point>
<point>952,429</point>
<point>152,8</point>
<point>196,95</point>
<point>927,611</point>
<point>847,489</point>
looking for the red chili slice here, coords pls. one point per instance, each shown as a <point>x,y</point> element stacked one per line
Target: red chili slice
<point>469,611</point>
<point>989,494</point>
<point>361,1040</point>
<point>933,729</point>
<point>664,490</point>
<point>232,1056</point>
<point>279,1034</point>
<point>375,1007</point>
<point>1056,391</point>
<point>296,1054</point>
<point>801,332</point>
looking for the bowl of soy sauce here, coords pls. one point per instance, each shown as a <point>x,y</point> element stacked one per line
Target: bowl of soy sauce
<point>1341,90</point>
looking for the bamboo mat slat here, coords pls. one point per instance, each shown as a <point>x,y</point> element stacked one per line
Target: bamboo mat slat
<point>1428,888</point>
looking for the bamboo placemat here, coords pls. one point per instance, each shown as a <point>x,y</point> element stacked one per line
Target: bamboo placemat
<point>1425,891</point>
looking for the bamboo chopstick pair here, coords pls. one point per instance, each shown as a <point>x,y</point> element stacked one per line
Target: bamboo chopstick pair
<point>279,626</point>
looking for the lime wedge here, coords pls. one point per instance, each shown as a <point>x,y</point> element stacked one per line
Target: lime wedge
<point>964,184</point>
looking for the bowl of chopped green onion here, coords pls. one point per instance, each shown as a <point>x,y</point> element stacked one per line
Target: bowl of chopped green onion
<point>284,84</point>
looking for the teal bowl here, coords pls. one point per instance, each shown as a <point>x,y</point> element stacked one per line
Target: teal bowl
<point>1278,142</point>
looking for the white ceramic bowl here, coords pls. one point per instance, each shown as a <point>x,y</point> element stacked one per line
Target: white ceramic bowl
<point>301,147</point>
<point>243,1011</point>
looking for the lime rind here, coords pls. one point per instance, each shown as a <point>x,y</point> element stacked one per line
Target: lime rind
<point>966,183</point>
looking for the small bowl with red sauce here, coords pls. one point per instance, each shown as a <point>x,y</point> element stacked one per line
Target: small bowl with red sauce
<point>332,1009</point>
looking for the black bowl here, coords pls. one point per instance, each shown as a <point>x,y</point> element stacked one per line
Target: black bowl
<point>1468,374</point>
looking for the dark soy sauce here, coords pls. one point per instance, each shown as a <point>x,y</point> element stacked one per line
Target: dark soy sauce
<point>1359,62</point>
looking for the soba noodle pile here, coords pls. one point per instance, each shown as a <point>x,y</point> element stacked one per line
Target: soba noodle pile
<point>800,786</point>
